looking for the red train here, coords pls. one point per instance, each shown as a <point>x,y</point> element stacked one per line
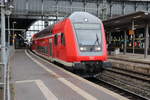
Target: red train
<point>77,41</point>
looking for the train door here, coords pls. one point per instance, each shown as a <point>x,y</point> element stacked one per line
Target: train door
<point>51,48</point>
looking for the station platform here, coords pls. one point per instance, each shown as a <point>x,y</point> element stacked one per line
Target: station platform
<point>131,62</point>
<point>131,57</point>
<point>37,79</point>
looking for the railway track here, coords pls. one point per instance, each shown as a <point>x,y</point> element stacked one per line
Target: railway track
<point>124,92</point>
<point>131,74</point>
<point>134,86</point>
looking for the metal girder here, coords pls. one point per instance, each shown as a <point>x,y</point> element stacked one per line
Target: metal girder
<point>135,6</point>
<point>98,8</point>
<point>59,8</point>
<point>56,9</point>
<point>110,9</point>
<point>84,3</point>
<point>147,6</point>
<point>123,8</point>
<point>70,2</point>
<point>129,0</point>
<point>125,43</point>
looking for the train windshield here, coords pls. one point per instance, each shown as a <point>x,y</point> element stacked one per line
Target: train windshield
<point>88,34</point>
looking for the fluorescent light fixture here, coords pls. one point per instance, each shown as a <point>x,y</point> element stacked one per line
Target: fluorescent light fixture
<point>146,13</point>
<point>137,16</point>
<point>117,28</point>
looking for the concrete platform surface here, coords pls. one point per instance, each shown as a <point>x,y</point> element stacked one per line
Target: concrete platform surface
<point>131,62</point>
<point>37,79</point>
<point>131,57</point>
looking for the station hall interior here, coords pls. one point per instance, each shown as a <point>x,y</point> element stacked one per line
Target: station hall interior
<point>27,19</point>
<point>126,25</point>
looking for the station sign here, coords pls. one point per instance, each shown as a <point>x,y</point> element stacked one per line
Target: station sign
<point>131,32</point>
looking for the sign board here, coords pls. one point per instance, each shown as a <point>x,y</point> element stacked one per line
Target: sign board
<point>131,32</point>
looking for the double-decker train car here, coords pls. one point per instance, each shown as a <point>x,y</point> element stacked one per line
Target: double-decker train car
<point>78,41</point>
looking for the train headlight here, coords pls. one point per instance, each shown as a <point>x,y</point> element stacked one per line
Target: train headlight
<point>97,48</point>
<point>82,48</point>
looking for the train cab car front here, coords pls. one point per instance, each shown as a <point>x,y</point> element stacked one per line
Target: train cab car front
<point>90,41</point>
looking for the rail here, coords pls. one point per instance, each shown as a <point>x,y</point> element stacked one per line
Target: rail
<point>129,94</point>
<point>135,83</point>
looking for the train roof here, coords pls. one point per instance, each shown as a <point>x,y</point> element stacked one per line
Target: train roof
<point>124,22</point>
<point>81,17</point>
<point>76,17</point>
<point>44,32</point>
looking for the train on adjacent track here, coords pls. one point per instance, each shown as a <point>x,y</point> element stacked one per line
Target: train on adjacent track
<point>78,42</point>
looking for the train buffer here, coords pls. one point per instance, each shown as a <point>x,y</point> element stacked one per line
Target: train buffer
<point>37,79</point>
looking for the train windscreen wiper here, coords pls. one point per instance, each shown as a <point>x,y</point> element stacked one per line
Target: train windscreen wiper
<point>96,41</point>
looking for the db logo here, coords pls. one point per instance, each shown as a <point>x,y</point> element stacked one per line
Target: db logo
<point>91,58</point>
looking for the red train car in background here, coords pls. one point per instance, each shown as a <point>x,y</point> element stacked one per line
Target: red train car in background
<point>77,41</point>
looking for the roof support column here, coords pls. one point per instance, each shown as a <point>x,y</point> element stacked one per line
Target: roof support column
<point>46,21</point>
<point>133,37</point>
<point>110,8</point>
<point>3,50</point>
<point>135,6</point>
<point>85,5</point>
<point>56,10</point>
<point>109,38</point>
<point>123,8</point>
<point>104,9</point>
<point>146,46</point>
<point>42,6</point>
<point>27,6</point>
<point>97,8</point>
<point>147,5</point>
<point>71,5</point>
<point>125,43</point>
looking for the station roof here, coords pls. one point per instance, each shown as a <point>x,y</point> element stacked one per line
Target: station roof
<point>20,23</point>
<point>124,22</point>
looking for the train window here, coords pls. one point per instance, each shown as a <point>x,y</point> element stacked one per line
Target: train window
<point>50,45</point>
<point>46,50</point>
<point>43,49</point>
<point>63,38</point>
<point>56,39</point>
<point>87,26</point>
